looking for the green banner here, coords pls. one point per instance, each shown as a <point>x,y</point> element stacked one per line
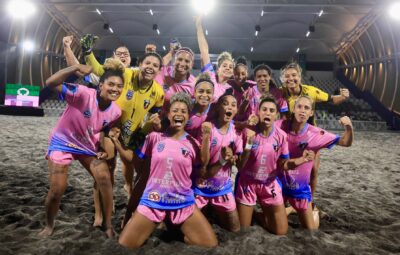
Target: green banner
<point>22,90</point>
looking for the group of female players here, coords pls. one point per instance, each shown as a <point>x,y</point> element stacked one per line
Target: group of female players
<point>183,136</point>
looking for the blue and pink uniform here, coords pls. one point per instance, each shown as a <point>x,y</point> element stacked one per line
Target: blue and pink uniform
<point>193,126</point>
<point>218,189</point>
<point>166,79</point>
<point>255,95</point>
<point>295,183</point>
<point>258,177</point>
<point>77,132</point>
<point>219,89</point>
<point>168,190</point>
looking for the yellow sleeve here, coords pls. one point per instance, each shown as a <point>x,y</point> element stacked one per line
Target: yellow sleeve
<point>92,61</point>
<point>321,96</point>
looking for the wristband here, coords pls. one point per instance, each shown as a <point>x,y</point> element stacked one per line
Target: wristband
<point>248,146</point>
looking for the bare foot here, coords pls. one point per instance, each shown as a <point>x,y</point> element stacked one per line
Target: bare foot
<point>110,232</point>
<point>316,216</point>
<point>98,221</point>
<point>47,231</point>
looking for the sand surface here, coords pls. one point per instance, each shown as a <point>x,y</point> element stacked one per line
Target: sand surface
<point>359,189</point>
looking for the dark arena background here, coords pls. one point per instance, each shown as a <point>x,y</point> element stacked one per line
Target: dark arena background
<point>352,44</point>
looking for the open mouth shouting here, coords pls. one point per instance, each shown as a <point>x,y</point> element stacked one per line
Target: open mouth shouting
<point>177,121</point>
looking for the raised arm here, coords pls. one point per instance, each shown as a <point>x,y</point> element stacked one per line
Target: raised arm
<point>250,134</point>
<point>202,41</point>
<point>55,81</point>
<point>87,42</point>
<point>343,96</point>
<point>346,139</point>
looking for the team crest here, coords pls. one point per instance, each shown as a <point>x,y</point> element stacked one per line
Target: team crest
<point>255,145</point>
<point>160,147</point>
<point>146,103</point>
<point>153,94</point>
<point>129,94</point>
<point>105,123</point>
<point>275,146</point>
<point>303,145</point>
<point>87,114</point>
<point>154,196</point>
<point>322,132</point>
<point>214,142</point>
<point>185,152</point>
<point>165,87</point>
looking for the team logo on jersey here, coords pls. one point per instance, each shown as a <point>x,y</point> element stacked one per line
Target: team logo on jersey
<point>146,103</point>
<point>129,94</point>
<point>154,196</point>
<point>213,141</point>
<point>303,145</point>
<point>153,94</point>
<point>275,146</point>
<point>317,91</point>
<point>160,147</point>
<point>322,132</point>
<point>166,87</point>
<point>87,114</point>
<point>105,123</point>
<point>185,152</point>
<point>255,145</point>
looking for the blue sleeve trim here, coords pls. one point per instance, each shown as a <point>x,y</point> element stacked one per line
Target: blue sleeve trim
<point>284,109</point>
<point>285,156</point>
<point>87,78</point>
<point>63,93</point>
<point>139,153</point>
<point>208,67</point>
<point>334,142</point>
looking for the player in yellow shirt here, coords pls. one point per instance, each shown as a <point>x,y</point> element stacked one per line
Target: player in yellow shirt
<point>140,98</point>
<point>291,76</point>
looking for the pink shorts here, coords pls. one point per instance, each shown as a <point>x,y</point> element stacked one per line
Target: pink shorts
<point>223,203</point>
<point>299,204</point>
<point>61,157</point>
<point>247,193</point>
<point>176,217</point>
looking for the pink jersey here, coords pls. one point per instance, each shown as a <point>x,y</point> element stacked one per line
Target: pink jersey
<point>239,91</point>
<point>219,89</point>
<point>166,79</point>
<point>169,184</point>
<point>255,98</point>
<point>296,182</point>
<point>78,129</point>
<point>220,184</point>
<point>193,126</point>
<point>261,167</point>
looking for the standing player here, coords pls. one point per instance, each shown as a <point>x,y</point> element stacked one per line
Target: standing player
<point>302,137</point>
<point>77,136</point>
<point>168,195</point>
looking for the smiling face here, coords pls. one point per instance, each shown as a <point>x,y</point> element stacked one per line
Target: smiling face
<point>178,115</point>
<point>183,63</point>
<point>225,70</point>
<point>267,113</point>
<point>227,109</point>
<point>149,67</point>
<point>122,53</point>
<point>291,78</point>
<point>262,77</point>
<point>204,93</point>
<point>303,109</point>
<point>240,74</point>
<point>111,88</point>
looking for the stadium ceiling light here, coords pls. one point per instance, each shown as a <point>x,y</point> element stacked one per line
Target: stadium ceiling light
<point>320,13</point>
<point>262,13</point>
<point>158,31</point>
<point>21,9</point>
<point>251,49</point>
<point>164,47</point>
<point>206,32</point>
<point>98,11</point>
<point>111,30</point>
<point>151,12</point>
<point>203,6</point>
<point>28,45</point>
<point>297,50</point>
<point>394,11</point>
<point>308,34</point>
<point>258,29</point>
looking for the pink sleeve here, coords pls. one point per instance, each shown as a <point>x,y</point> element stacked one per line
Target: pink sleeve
<point>284,149</point>
<point>145,151</point>
<point>73,92</point>
<point>161,75</point>
<point>239,144</point>
<point>326,139</point>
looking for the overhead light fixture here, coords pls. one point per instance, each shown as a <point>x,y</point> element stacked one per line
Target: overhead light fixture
<point>158,31</point>
<point>98,11</point>
<point>262,13</point>
<point>251,49</point>
<point>206,32</point>
<point>164,47</point>
<point>151,12</point>
<point>320,13</point>
<point>297,50</point>
<point>111,30</point>
<point>308,34</point>
<point>258,29</point>
<point>394,11</point>
<point>203,6</point>
<point>28,45</point>
<point>21,9</point>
